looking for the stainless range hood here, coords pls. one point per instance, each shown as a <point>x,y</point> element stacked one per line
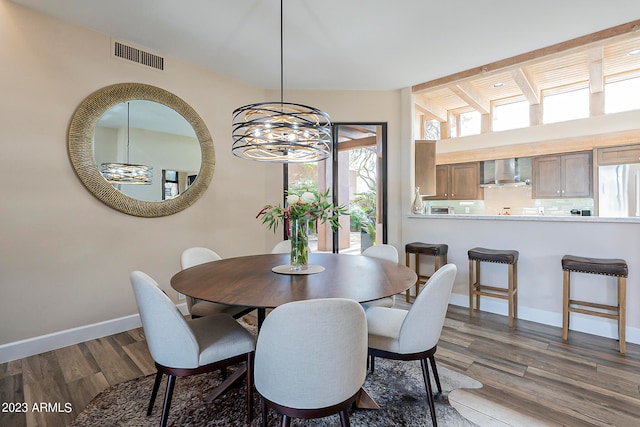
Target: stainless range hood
<point>507,173</point>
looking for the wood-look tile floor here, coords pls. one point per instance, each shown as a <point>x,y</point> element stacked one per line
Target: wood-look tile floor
<point>528,368</point>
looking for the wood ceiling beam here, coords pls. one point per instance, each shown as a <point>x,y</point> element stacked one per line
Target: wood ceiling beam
<point>527,85</point>
<point>368,129</point>
<point>369,141</point>
<point>596,75</point>
<point>472,96</point>
<point>431,109</point>
<point>352,133</point>
<point>533,55</point>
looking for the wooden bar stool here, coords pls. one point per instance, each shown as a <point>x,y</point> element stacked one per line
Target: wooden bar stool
<point>478,255</point>
<point>437,250</point>
<point>608,267</point>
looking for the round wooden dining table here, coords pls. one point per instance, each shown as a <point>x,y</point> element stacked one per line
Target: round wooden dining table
<point>250,281</point>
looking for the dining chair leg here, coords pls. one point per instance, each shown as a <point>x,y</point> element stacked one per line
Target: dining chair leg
<point>432,360</point>
<point>171,382</point>
<point>286,421</point>
<point>250,386</point>
<point>265,412</point>
<point>427,383</point>
<point>373,363</point>
<point>344,418</point>
<point>154,392</point>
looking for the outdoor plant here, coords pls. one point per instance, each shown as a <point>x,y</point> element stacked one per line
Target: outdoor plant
<point>365,219</point>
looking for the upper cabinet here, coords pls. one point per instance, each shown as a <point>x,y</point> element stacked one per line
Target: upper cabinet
<point>458,182</point>
<point>425,166</point>
<point>619,155</point>
<point>563,175</point>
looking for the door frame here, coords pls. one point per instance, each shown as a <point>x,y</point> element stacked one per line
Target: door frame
<point>334,172</point>
<point>334,184</point>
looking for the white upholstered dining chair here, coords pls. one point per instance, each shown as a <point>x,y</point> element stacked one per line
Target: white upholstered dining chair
<point>413,335</point>
<point>181,347</point>
<point>282,247</point>
<point>308,364</point>
<point>199,308</point>
<point>388,253</point>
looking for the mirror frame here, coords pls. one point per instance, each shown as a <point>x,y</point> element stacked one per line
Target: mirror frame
<point>80,141</point>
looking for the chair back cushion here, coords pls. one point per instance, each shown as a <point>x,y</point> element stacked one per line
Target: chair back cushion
<point>384,251</point>
<point>423,324</point>
<point>312,354</point>
<point>283,247</point>
<point>169,338</point>
<point>196,256</point>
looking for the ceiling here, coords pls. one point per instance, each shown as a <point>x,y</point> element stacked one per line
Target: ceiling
<point>583,66</point>
<point>337,44</point>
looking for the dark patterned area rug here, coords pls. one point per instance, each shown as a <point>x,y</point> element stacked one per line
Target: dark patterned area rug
<point>396,386</point>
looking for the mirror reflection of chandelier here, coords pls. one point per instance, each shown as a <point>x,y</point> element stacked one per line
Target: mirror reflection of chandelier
<point>127,173</point>
<point>281,131</point>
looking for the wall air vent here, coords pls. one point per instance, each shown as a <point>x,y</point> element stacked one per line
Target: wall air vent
<point>130,53</point>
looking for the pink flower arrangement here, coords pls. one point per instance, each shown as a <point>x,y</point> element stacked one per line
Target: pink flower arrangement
<point>310,205</point>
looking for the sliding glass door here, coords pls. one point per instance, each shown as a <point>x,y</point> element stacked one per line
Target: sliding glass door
<point>356,176</point>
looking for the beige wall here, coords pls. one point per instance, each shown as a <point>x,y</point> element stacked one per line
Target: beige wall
<point>64,256</point>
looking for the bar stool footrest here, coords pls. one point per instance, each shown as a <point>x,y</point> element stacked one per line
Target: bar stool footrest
<point>602,266</point>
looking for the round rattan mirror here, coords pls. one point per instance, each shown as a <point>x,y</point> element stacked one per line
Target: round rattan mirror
<point>81,149</point>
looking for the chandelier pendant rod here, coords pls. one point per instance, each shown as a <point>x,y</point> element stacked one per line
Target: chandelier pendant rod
<point>281,54</point>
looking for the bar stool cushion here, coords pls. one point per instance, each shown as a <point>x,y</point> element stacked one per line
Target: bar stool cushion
<point>434,249</point>
<point>610,267</point>
<point>493,255</point>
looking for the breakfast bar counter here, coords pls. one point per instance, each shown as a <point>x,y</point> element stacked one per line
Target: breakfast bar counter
<point>561,218</point>
<point>542,241</point>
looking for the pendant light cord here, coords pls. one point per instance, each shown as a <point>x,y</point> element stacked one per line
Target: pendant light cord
<point>128,129</point>
<point>281,55</point>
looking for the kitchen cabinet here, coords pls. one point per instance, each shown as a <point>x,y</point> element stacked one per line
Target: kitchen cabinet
<point>458,182</point>
<point>619,155</point>
<point>442,183</point>
<point>425,166</point>
<point>562,175</point>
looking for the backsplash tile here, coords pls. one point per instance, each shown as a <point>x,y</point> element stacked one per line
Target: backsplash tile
<point>518,200</point>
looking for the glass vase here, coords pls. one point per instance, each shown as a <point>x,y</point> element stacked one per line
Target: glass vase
<point>299,236</point>
<point>417,207</point>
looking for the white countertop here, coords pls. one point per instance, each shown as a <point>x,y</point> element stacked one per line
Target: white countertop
<point>563,218</point>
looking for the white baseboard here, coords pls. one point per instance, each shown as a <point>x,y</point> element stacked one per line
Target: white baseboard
<point>579,322</point>
<point>31,346</point>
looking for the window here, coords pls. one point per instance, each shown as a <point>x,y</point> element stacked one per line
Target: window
<point>563,106</point>
<point>431,129</point>
<point>622,95</point>
<point>465,123</point>
<point>512,115</point>
<point>170,184</point>
<point>470,123</point>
